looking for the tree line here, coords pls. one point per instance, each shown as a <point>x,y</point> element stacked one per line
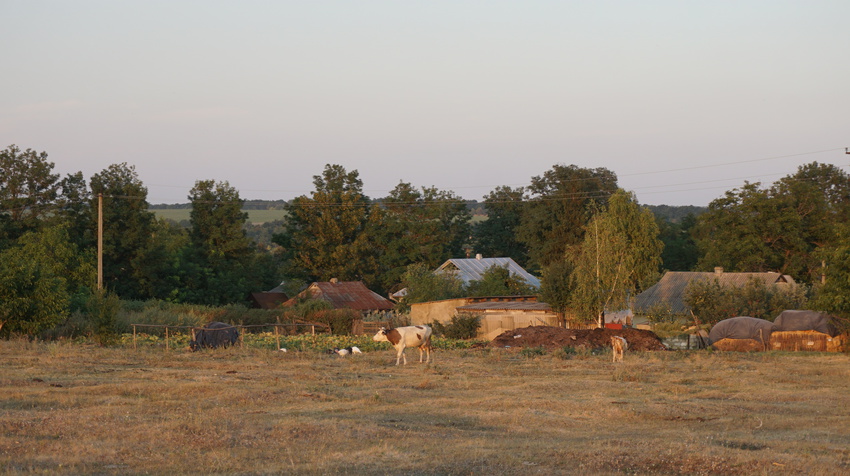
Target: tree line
<point>591,242</point>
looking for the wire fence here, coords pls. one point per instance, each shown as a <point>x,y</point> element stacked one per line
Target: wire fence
<point>191,330</point>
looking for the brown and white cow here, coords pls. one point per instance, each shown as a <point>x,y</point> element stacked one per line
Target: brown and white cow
<point>404,337</point>
<point>618,346</point>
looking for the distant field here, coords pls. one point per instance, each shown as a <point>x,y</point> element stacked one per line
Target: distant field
<point>254,216</point>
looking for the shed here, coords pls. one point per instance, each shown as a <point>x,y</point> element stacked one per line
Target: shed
<point>345,294</point>
<point>498,313</point>
<point>473,269</point>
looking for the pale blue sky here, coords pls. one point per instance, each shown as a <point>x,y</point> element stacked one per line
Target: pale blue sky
<point>462,95</point>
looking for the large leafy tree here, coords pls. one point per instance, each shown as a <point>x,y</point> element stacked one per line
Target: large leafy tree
<point>325,233</point>
<point>38,278</point>
<point>28,189</point>
<point>560,204</point>
<point>832,293</point>
<point>133,263</point>
<point>496,236</point>
<point>778,228</point>
<point>404,229</point>
<point>680,250</point>
<point>220,265</point>
<point>619,257</point>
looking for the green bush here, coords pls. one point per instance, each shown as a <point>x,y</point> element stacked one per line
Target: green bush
<point>462,326</point>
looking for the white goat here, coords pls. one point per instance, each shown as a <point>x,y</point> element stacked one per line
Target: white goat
<point>618,346</point>
<point>403,337</point>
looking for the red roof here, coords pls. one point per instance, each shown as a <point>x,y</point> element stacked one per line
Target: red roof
<point>350,294</point>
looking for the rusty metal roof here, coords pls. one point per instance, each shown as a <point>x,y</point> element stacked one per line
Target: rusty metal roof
<point>671,288</point>
<point>342,294</point>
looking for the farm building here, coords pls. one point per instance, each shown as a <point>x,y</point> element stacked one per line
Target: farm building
<point>805,330</point>
<point>473,269</point>
<point>271,299</point>
<point>346,294</point>
<point>669,291</point>
<point>498,314</point>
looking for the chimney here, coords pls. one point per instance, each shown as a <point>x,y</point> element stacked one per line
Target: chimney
<point>718,270</point>
<point>478,256</point>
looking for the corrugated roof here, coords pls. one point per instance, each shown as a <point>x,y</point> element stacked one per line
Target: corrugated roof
<point>671,288</point>
<point>506,306</point>
<point>350,294</point>
<point>472,269</point>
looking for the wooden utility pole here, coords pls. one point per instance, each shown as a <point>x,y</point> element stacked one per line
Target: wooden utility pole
<point>99,241</point>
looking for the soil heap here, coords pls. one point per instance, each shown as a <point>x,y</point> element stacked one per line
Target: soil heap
<point>555,337</point>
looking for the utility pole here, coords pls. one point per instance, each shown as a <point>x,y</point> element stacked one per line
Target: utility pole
<point>99,241</point>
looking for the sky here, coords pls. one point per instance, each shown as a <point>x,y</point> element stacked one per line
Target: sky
<point>683,100</point>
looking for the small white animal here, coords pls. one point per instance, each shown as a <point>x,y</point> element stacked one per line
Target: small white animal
<point>618,346</point>
<point>403,337</point>
<point>347,351</point>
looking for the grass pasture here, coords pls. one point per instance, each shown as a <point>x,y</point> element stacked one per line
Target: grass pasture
<point>82,409</point>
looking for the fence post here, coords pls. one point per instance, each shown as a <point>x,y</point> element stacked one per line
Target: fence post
<point>277,335</point>
<point>166,338</point>
<point>134,337</point>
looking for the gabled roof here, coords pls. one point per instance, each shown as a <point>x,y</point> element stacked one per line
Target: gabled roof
<point>671,288</point>
<point>350,294</point>
<point>472,269</point>
<point>268,300</point>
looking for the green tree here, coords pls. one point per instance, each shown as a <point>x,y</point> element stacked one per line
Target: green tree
<point>423,285</point>
<point>713,302</point>
<point>415,226</point>
<point>833,294</point>
<point>780,228</point>
<point>27,190</point>
<point>559,206</point>
<point>133,263</point>
<point>498,281</point>
<point>556,287</point>
<point>497,235</point>
<point>620,257</point>
<point>38,277</point>
<point>221,265</point>
<point>325,233</point>
<point>680,250</point>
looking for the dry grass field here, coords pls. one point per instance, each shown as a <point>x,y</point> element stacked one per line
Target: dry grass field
<point>80,409</point>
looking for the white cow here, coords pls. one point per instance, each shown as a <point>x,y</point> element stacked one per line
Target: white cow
<point>403,337</point>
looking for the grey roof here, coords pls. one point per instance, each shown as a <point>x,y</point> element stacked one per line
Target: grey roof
<point>671,288</point>
<point>471,269</point>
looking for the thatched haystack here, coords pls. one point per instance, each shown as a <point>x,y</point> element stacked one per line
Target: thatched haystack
<point>739,345</point>
<point>742,334</point>
<point>813,341</point>
<point>805,331</point>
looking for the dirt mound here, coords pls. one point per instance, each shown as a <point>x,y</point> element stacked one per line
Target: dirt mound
<point>554,337</point>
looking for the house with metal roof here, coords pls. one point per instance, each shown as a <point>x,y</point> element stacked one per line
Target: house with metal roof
<point>473,269</point>
<point>670,290</point>
<point>345,294</point>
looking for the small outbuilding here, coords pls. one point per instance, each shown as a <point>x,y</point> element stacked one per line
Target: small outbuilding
<point>345,294</point>
<point>498,313</point>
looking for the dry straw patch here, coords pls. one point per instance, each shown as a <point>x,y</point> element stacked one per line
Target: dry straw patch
<point>71,409</point>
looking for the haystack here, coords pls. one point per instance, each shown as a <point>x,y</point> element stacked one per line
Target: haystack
<point>738,331</point>
<point>805,331</point>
